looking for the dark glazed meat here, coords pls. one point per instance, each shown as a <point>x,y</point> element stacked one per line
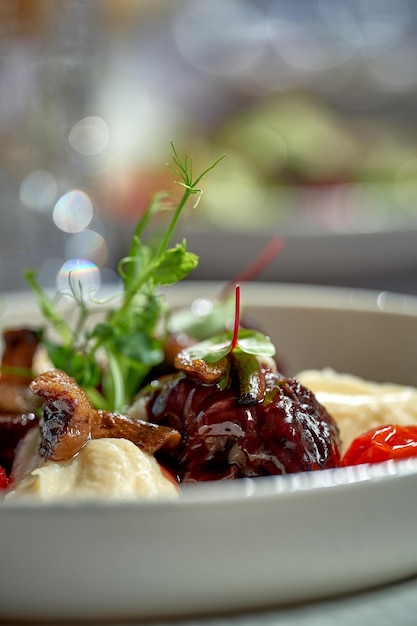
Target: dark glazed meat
<point>12,429</point>
<point>17,403</point>
<point>69,421</point>
<point>287,432</point>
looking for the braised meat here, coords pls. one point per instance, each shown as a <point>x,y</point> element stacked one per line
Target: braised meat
<point>17,403</point>
<point>225,437</point>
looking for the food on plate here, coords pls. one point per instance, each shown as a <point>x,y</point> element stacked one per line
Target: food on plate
<point>382,444</point>
<point>79,451</point>
<point>237,415</point>
<point>359,405</point>
<point>17,403</point>
<point>109,468</point>
<point>224,437</point>
<point>109,360</point>
<point>4,479</point>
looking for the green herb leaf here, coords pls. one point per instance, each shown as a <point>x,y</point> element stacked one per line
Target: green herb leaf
<point>249,342</point>
<point>48,309</point>
<point>211,350</point>
<point>174,265</point>
<point>253,342</point>
<point>131,267</point>
<point>140,348</point>
<point>82,367</point>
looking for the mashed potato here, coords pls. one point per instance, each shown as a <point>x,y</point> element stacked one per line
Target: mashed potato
<point>359,405</point>
<point>105,468</point>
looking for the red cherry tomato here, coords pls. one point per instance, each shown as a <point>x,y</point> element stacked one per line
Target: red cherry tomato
<point>4,480</point>
<point>382,444</point>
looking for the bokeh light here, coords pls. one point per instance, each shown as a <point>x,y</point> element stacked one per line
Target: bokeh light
<point>89,136</point>
<point>38,190</point>
<point>79,275</point>
<point>73,212</point>
<point>201,307</point>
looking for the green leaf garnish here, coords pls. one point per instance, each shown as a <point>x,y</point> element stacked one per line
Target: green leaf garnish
<point>112,358</point>
<point>240,340</point>
<point>48,309</point>
<point>231,357</point>
<point>249,342</point>
<point>175,265</point>
<point>254,342</point>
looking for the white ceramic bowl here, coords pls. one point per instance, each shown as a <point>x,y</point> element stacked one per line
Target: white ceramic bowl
<point>241,544</point>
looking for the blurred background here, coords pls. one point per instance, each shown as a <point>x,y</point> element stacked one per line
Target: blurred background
<point>313,102</point>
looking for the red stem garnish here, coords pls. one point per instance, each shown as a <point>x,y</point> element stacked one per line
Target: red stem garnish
<point>237,317</point>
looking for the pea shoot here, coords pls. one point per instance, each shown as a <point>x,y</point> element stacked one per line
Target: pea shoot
<point>111,359</point>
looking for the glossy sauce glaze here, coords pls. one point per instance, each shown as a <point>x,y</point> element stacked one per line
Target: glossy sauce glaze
<point>289,431</point>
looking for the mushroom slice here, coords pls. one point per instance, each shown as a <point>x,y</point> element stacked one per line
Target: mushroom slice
<point>67,413</point>
<point>200,370</point>
<point>148,437</point>
<point>69,421</point>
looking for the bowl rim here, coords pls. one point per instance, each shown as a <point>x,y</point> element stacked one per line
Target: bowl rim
<point>249,490</point>
<point>315,296</point>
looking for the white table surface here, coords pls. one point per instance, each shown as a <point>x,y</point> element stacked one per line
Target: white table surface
<point>393,605</point>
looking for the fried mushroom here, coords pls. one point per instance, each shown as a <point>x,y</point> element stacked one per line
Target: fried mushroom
<point>69,421</point>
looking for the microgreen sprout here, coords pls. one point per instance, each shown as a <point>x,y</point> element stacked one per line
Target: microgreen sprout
<point>239,340</point>
<point>231,358</point>
<point>112,358</point>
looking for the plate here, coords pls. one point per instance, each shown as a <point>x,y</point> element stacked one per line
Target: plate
<point>242,544</point>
